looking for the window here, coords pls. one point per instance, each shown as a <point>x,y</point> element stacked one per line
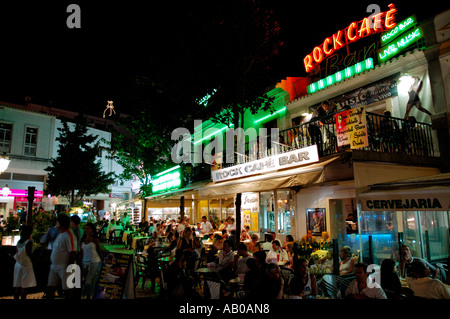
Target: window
<point>5,137</point>
<point>30,141</point>
<point>434,229</point>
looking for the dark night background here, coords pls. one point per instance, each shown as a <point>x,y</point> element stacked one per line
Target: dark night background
<point>83,68</point>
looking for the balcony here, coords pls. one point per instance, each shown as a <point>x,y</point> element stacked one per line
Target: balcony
<point>389,139</point>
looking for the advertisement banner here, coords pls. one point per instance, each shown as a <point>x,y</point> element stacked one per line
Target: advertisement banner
<point>351,128</point>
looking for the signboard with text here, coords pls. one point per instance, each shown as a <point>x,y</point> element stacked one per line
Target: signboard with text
<point>273,163</point>
<point>351,128</point>
<point>114,275</point>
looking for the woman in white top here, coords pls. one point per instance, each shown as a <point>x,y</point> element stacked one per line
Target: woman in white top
<point>91,258</point>
<point>24,277</point>
<point>346,264</point>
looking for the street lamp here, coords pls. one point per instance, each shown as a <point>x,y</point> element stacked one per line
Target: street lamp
<point>4,163</point>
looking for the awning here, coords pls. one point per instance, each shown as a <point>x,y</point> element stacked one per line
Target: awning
<point>310,174</point>
<point>166,203</point>
<point>430,193</point>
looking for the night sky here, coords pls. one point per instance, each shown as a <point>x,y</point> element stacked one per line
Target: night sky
<point>54,65</point>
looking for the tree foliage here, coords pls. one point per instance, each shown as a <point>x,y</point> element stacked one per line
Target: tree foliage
<point>76,172</point>
<point>142,148</point>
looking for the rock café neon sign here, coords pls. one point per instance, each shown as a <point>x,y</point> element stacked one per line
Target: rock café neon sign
<point>356,30</point>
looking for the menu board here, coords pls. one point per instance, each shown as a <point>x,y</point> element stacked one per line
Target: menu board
<point>351,128</point>
<point>113,276</point>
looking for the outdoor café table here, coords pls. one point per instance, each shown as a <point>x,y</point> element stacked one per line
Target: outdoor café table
<point>135,240</point>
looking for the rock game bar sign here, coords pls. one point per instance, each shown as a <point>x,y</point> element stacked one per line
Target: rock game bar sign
<point>376,23</point>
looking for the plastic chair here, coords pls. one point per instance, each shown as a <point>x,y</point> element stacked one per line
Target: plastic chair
<point>214,289</point>
<point>141,270</point>
<point>286,274</point>
<point>328,286</point>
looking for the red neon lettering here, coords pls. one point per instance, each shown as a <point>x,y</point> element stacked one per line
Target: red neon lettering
<point>377,22</point>
<point>365,27</point>
<point>307,61</point>
<point>337,44</point>
<point>351,34</point>
<point>390,17</point>
<point>325,46</point>
<point>318,54</point>
<point>350,29</point>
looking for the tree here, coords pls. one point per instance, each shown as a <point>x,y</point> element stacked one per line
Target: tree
<point>142,148</point>
<point>76,172</point>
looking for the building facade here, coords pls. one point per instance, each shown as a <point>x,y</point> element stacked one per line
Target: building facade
<point>389,123</point>
<point>28,137</point>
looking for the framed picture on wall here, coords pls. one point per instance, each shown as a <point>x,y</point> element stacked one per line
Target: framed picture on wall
<point>316,221</point>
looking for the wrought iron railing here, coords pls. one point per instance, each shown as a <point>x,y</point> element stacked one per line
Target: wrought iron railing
<point>385,134</point>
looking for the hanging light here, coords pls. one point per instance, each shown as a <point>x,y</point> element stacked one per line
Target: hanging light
<point>4,163</point>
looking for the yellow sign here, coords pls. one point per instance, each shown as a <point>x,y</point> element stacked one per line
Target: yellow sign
<point>255,222</point>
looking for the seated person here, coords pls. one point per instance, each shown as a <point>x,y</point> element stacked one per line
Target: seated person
<point>309,281</point>
<point>253,246</point>
<point>420,282</point>
<point>390,282</point>
<point>225,261</point>
<point>407,259</point>
<point>240,260</point>
<point>252,275</point>
<point>359,289</point>
<point>244,235</point>
<point>308,238</point>
<point>296,288</point>
<point>278,251</point>
<point>289,239</point>
<point>346,264</point>
<point>218,242</point>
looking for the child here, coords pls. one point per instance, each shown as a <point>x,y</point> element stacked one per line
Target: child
<point>24,277</point>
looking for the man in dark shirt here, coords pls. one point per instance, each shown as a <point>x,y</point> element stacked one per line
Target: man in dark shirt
<point>316,123</point>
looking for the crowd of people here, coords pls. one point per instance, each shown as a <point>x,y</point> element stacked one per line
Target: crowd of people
<point>66,244</point>
<point>268,269</point>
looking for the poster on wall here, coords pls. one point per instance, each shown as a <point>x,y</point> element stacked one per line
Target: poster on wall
<point>246,218</point>
<point>255,223</point>
<point>351,128</point>
<point>316,220</point>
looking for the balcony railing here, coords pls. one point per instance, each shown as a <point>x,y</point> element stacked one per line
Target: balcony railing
<point>385,134</point>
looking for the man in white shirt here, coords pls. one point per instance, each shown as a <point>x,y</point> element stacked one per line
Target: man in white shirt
<point>359,287</point>
<point>423,285</point>
<point>206,226</point>
<point>63,254</point>
<point>277,250</point>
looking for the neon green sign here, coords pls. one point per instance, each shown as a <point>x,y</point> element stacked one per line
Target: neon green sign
<point>398,30</point>
<point>399,45</point>
<point>341,75</point>
<point>169,180</point>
